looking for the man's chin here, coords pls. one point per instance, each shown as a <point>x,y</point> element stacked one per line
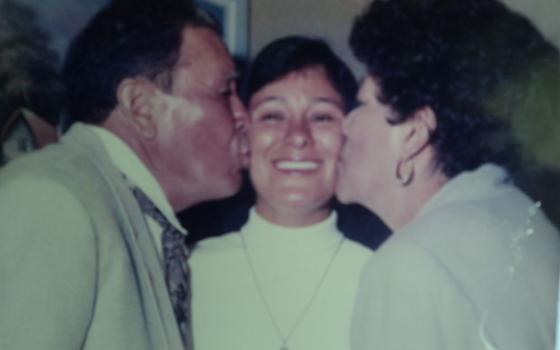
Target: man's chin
<point>224,188</point>
<point>230,187</point>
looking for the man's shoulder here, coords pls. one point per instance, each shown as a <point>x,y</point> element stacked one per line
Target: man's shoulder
<point>36,171</point>
<point>74,161</point>
<point>38,211</point>
<point>54,176</point>
<point>55,158</point>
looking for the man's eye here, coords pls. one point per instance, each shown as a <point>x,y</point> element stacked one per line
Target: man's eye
<point>226,93</point>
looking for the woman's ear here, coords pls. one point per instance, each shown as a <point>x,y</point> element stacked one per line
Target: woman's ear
<point>418,131</point>
<point>136,98</point>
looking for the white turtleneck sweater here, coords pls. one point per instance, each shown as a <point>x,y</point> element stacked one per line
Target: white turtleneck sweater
<point>228,311</point>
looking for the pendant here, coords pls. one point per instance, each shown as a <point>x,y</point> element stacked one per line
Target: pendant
<point>284,347</point>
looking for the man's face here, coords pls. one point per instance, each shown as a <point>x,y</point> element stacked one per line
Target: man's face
<point>196,153</point>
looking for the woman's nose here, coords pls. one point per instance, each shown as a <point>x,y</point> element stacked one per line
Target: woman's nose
<point>299,134</point>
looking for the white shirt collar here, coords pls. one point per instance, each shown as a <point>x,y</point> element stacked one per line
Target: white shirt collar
<point>132,167</point>
<point>258,228</point>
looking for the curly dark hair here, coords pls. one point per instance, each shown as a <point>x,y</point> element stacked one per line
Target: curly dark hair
<point>125,39</point>
<point>293,53</point>
<point>471,61</point>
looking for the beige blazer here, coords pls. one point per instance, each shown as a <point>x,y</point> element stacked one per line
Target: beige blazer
<point>78,266</point>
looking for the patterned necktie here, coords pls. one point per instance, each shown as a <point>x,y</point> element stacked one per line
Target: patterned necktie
<point>177,275</point>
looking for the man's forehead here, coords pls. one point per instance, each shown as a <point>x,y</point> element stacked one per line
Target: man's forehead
<point>203,46</point>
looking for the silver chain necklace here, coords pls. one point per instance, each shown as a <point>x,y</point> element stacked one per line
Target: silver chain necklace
<point>285,338</point>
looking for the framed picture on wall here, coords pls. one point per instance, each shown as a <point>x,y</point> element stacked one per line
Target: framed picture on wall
<point>233,15</point>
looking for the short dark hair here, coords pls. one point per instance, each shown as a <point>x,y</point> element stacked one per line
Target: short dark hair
<point>125,39</point>
<point>293,53</point>
<point>471,61</point>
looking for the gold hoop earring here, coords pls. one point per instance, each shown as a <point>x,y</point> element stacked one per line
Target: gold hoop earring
<point>404,180</point>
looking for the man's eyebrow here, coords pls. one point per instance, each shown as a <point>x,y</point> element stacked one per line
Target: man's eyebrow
<point>232,77</point>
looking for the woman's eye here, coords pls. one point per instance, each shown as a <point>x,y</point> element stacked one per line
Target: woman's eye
<point>322,118</point>
<point>271,117</point>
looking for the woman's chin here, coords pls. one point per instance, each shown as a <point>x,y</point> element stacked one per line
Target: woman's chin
<point>298,200</point>
<point>294,211</point>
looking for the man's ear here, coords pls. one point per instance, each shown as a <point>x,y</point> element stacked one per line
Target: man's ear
<point>136,97</point>
<point>418,131</point>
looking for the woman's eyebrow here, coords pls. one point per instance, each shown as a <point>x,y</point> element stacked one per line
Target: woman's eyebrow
<point>329,100</point>
<point>265,100</point>
<point>336,102</point>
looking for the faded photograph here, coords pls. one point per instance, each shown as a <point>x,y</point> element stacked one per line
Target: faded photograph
<point>295,174</point>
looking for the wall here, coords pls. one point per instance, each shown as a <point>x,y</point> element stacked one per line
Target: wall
<point>544,13</point>
<point>332,19</point>
<point>329,19</point>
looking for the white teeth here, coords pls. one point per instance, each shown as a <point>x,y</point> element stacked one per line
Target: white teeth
<point>289,165</point>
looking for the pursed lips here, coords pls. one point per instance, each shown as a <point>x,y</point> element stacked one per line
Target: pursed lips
<point>343,154</point>
<point>341,160</point>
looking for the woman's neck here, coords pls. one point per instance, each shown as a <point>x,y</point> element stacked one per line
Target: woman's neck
<point>401,204</point>
<point>291,216</point>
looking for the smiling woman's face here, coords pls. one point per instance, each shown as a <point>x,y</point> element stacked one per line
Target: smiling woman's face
<point>295,138</point>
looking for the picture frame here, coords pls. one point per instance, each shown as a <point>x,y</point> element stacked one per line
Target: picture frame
<point>233,16</point>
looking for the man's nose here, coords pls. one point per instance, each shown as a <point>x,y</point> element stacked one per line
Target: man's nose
<point>241,125</point>
<point>239,113</point>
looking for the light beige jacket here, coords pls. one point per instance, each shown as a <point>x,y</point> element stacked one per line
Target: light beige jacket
<point>78,266</point>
